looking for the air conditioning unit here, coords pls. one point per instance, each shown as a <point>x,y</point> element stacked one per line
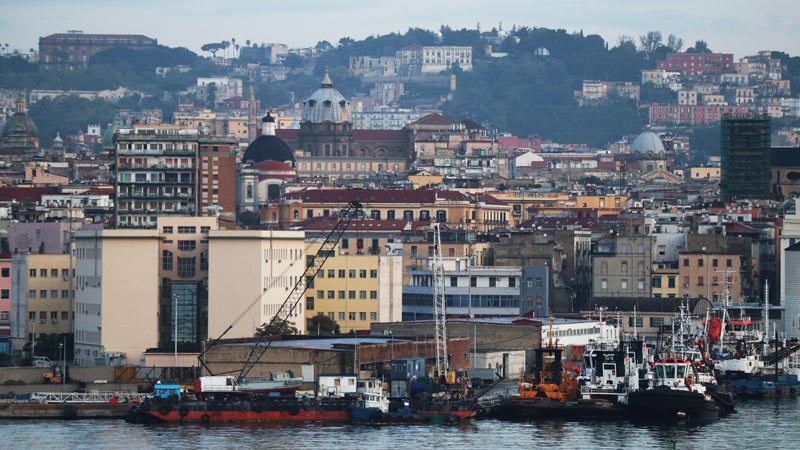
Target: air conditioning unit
<point>54,321</point>
<point>42,320</point>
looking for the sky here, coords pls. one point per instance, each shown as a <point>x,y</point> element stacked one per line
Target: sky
<point>730,26</point>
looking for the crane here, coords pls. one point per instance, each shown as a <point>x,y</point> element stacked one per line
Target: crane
<point>313,266</point>
<point>439,302</point>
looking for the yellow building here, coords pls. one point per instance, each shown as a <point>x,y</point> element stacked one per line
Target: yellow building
<point>705,173</point>
<point>41,284</point>
<point>664,282</point>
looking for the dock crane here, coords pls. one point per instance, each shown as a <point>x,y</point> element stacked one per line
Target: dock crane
<point>313,266</point>
<point>439,303</point>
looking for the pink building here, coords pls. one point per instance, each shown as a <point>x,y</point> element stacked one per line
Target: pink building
<point>5,295</point>
<point>698,63</point>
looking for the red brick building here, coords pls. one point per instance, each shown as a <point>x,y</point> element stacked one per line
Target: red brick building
<point>73,49</point>
<point>698,63</point>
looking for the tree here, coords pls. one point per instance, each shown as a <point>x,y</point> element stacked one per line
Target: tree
<point>674,43</point>
<point>293,61</point>
<point>322,325</point>
<point>700,46</point>
<point>249,220</point>
<point>213,48</point>
<point>650,42</point>
<point>323,46</point>
<point>277,327</point>
<point>346,42</point>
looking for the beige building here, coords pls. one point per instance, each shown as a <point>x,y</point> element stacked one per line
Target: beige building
<point>704,274</point>
<point>250,275</point>
<point>116,292</point>
<point>705,173</point>
<point>622,267</point>
<point>40,286</point>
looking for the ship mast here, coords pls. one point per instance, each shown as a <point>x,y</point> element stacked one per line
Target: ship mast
<point>439,302</point>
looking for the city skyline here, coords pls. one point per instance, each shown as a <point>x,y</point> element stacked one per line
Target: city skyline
<point>727,26</point>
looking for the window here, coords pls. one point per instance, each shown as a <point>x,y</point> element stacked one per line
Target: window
<point>656,321</point>
<point>538,282</point>
<point>330,315</point>
<point>714,262</point>
<point>623,284</point>
<point>351,295</point>
<point>604,284</point>
<point>54,273</point>
<point>699,263</point>
<point>167,230</point>
<point>638,323</point>
<point>331,273</point>
<point>352,273</point>
<point>728,263</point>
<point>187,246</point>
<point>331,295</point>
<point>670,282</point>
<point>320,294</point>
<point>166,260</point>
<point>512,282</point>
<point>42,293</point>
<point>32,315</point>
<point>341,316</point>
<point>473,281</point>
<point>362,316</point>
<point>700,281</point>
<point>53,293</point>
<point>362,273</point>
<point>640,285</point>
<point>187,230</point>
<point>492,281</point>
<point>453,281</point>
<point>64,293</point>
<point>624,267</point>
<point>345,243</point>
<point>351,316</point>
<point>53,315</point>
<point>685,262</point>
<point>205,230</point>
<point>341,273</point>
<point>186,267</point>
<point>43,273</point>
<point>5,272</point>
<point>373,316</point>
<point>373,273</point>
<point>655,282</point>
<point>341,295</point>
<point>65,273</point>
<point>373,295</point>
<point>362,295</point>
<point>204,260</point>
<point>5,293</point>
<point>32,294</point>
<point>3,315</point>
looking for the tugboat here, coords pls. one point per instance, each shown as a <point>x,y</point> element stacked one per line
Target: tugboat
<point>674,393</point>
<point>376,409</point>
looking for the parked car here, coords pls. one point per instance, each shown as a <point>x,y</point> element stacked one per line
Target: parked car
<point>42,361</point>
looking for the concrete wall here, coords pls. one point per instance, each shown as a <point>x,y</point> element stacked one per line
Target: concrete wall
<point>230,358</point>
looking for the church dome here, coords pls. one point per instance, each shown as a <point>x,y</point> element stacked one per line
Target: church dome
<point>647,142</point>
<point>268,148</point>
<point>20,125</point>
<point>326,104</point>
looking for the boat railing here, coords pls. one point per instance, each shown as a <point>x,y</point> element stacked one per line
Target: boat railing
<point>85,397</point>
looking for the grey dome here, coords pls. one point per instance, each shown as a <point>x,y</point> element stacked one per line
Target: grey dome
<point>326,104</point>
<point>647,142</point>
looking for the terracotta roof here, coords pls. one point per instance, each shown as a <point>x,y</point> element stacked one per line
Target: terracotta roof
<point>368,196</point>
<point>32,194</point>
<point>287,134</point>
<point>273,166</point>
<point>740,228</point>
<point>490,200</point>
<point>434,119</point>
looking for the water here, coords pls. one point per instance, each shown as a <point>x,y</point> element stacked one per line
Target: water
<point>755,425</point>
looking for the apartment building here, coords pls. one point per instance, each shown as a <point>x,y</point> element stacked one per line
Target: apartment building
<point>41,295</point>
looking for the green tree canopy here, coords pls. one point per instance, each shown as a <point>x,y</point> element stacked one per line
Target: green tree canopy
<point>276,327</point>
<point>322,325</point>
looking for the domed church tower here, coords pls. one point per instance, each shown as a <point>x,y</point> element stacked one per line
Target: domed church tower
<point>19,135</point>
<point>325,127</point>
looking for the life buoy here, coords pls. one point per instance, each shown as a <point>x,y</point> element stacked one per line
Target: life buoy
<point>164,409</point>
<point>183,411</point>
<point>205,418</point>
<point>688,382</point>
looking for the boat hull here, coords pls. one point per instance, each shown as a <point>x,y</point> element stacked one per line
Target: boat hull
<point>515,408</point>
<point>765,386</point>
<point>377,417</point>
<point>671,403</point>
<point>242,411</point>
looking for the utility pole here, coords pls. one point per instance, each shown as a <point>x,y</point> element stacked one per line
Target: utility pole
<point>175,329</point>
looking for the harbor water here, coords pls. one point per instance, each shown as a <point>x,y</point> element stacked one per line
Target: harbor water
<point>764,424</point>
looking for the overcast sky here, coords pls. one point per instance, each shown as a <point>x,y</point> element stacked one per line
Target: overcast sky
<point>741,27</point>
